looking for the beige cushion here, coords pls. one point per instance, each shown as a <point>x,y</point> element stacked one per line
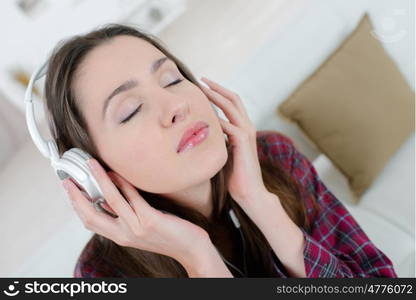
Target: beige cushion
<point>356,108</point>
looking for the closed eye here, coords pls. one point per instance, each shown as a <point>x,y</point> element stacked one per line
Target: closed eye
<point>138,108</point>
<point>132,114</point>
<point>174,82</point>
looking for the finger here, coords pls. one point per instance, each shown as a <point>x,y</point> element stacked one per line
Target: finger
<point>237,100</point>
<point>230,111</point>
<point>92,219</point>
<point>111,194</point>
<point>233,97</point>
<point>139,205</point>
<point>231,130</point>
<point>234,134</point>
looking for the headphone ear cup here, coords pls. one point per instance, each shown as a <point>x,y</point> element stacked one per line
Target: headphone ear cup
<point>74,164</point>
<point>85,155</point>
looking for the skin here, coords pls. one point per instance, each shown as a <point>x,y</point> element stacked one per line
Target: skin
<point>144,149</point>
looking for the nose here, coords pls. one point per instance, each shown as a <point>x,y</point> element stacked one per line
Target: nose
<point>175,109</point>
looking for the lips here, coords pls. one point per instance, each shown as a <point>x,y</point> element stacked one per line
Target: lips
<point>193,129</point>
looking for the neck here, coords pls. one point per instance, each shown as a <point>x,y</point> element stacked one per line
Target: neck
<point>198,197</point>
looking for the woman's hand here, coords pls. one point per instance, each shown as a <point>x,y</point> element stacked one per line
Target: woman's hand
<point>245,181</point>
<point>138,224</point>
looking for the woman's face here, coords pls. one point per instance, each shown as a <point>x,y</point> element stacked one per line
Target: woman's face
<point>143,149</point>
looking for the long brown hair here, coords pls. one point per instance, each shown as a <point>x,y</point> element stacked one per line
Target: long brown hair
<point>69,129</point>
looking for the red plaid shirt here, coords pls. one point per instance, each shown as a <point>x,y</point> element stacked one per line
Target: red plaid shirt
<point>336,246</point>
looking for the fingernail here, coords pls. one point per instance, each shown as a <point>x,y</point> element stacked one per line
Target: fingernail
<point>203,83</point>
<point>65,185</point>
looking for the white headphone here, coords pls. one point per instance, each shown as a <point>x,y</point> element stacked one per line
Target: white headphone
<point>73,161</point>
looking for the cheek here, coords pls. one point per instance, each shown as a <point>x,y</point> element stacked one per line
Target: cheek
<point>207,104</point>
<point>123,156</point>
<point>142,165</point>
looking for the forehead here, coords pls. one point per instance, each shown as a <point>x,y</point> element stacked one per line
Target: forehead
<point>120,51</point>
<point>112,62</point>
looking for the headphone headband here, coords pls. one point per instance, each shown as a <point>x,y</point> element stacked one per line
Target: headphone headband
<point>47,148</point>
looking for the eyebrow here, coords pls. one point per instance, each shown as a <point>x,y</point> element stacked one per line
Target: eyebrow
<point>131,83</point>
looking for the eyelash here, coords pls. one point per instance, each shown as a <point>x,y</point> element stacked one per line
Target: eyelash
<point>138,108</point>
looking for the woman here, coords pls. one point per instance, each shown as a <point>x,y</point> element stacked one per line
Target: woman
<point>120,95</point>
